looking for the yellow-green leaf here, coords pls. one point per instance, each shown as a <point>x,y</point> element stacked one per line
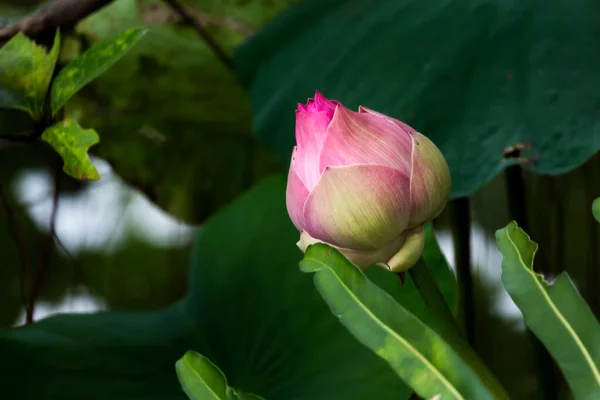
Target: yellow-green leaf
<point>202,380</point>
<point>25,73</point>
<point>555,313</point>
<point>90,65</point>
<point>72,142</point>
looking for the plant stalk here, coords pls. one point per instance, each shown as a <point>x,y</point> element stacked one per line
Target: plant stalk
<point>449,328</point>
<point>461,238</point>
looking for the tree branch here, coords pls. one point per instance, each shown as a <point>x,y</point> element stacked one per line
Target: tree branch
<point>57,14</point>
<point>40,275</point>
<point>189,19</point>
<point>19,241</point>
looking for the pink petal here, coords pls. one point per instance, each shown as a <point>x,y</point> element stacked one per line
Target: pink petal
<point>310,134</point>
<point>402,125</point>
<point>360,207</point>
<point>295,196</point>
<point>321,103</point>
<point>365,138</point>
<point>430,181</point>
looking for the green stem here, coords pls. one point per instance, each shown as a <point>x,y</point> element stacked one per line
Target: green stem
<point>461,238</point>
<point>449,329</point>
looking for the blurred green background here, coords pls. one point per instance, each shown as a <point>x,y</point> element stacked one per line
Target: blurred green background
<point>183,136</point>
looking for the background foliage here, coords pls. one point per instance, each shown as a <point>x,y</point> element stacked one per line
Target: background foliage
<point>205,145</point>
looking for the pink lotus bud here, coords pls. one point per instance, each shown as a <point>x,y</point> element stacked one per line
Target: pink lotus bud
<point>364,183</point>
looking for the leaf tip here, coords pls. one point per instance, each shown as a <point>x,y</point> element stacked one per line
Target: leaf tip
<point>596,209</point>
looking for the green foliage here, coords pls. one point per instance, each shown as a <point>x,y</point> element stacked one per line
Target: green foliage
<point>25,73</point>
<point>112,355</point>
<point>291,346</point>
<point>90,65</point>
<point>415,352</point>
<point>175,123</point>
<point>451,69</point>
<point>555,313</point>
<point>203,380</point>
<point>248,310</point>
<point>72,142</point>
<point>200,378</point>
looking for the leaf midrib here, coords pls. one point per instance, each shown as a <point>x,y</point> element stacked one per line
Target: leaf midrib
<point>413,350</point>
<point>206,385</point>
<point>558,314</point>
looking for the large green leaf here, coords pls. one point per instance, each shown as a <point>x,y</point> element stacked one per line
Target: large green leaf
<point>555,313</point>
<point>102,356</point>
<point>25,73</point>
<point>415,352</point>
<point>249,310</point>
<point>596,209</point>
<point>90,65</point>
<point>72,142</point>
<point>479,75</point>
<point>203,380</point>
<point>175,123</point>
<point>290,347</point>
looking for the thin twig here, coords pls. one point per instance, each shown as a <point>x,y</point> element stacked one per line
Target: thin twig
<point>212,44</point>
<point>46,253</point>
<point>25,272</point>
<point>57,14</point>
<point>62,246</point>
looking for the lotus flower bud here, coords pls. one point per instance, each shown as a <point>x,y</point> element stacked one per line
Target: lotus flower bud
<point>364,183</point>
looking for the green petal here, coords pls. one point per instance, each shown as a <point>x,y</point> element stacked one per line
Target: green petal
<point>360,207</point>
<point>430,181</point>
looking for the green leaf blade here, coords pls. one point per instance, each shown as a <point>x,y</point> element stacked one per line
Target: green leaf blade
<point>596,209</point>
<point>414,351</point>
<point>418,77</point>
<point>90,65</point>
<point>72,142</point>
<point>556,313</point>
<point>25,73</point>
<point>200,378</point>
